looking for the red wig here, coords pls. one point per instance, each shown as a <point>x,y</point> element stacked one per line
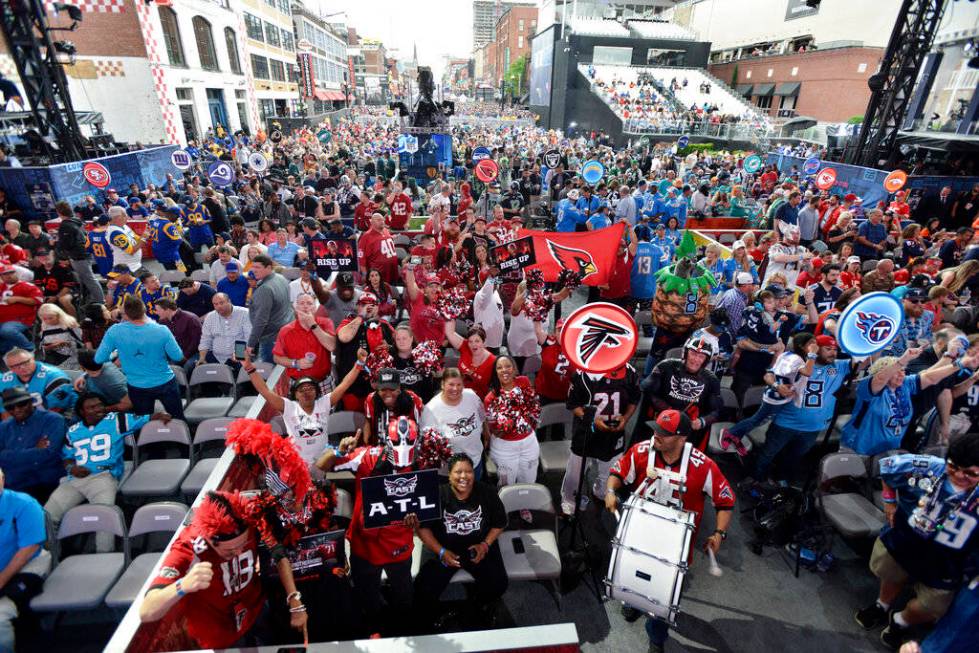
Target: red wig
<point>255,438</point>
<point>221,515</point>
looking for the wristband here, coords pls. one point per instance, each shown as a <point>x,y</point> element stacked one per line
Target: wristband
<point>764,350</point>
<point>888,495</point>
<point>812,357</point>
<point>180,588</point>
<point>442,556</point>
<point>294,595</point>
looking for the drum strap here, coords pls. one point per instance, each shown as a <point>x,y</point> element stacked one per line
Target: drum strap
<point>682,474</point>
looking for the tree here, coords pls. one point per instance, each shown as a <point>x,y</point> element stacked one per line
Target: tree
<point>517,75</point>
<point>734,77</point>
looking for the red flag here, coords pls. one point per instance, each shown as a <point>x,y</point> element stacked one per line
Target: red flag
<point>589,253</point>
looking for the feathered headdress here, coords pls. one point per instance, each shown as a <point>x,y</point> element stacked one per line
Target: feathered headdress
<point>221,515</point>
<point>284,468</point>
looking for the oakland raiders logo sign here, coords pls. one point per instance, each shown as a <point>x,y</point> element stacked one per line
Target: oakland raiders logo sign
<point>599,337</point>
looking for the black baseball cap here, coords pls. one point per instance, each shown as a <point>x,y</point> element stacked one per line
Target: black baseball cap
<point>388,379</point>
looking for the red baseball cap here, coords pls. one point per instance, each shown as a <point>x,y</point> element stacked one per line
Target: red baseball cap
<point>367,298</point>
<point>5,268</point>
<point>826,341</point>
<point>849,197</point>
<point>671,422</point>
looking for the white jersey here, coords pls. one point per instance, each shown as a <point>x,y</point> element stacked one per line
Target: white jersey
<point>121,239</point>
<point>790,269</point>
<point>462,424</point>
<point>308,431</point>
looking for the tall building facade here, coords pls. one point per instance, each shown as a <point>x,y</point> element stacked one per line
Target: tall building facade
<point>270,49</point>
<point>328,49</point>
<point>514,30</point>
<point>486,13</point>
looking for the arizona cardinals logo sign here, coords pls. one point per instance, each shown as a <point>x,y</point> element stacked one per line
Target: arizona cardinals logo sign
<point>599,337</point>
<point>570,258</point>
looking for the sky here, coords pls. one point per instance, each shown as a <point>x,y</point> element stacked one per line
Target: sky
<point>439,27</point>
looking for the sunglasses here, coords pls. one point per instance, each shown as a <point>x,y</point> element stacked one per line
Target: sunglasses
<point>965,471</point>
<point>914,301</point>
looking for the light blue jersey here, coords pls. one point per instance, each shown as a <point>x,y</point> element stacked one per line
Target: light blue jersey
<point>648,261</point>
<point>99,448</point>
<point>818,399</point>
<point>880,420</point>
<point>50,387</point>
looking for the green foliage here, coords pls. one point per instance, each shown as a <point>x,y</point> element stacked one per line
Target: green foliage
<point>519,73</point>
<point>696,147</point>
<point>855,120</point>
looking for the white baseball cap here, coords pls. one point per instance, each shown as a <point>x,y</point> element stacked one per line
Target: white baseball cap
<point>573,194</point>
<point>744,278</point>
<point>738,244</point>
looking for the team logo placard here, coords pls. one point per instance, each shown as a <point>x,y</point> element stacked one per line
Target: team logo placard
<point>552,158</point>
<point>752,163</point>
<point>221,174</point>
<point>180,159</point>
<point>682,142</point>
<point>96,174</point>
<point>258,162</point>
<point>870,324</point>
<point>599,337</point>
<point>826,178</point>
<point>487,170</point>
<point>895,181</point>
<point>592,171</point>
<point>481,153</point>
<point>811,166</point>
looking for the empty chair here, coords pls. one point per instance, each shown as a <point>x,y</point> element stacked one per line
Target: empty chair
<point>402,240</point>
<point>752,398</point>
<point>869,265</point>
<point>202,408</point>
<point>344,422</point>
<point>291,273</point>
<point>851,513</point>
<point>158,477</point>
<point>81,582</point>
<point>535,557</point>
<point>162,517</point>
<point>172,276</point>
<point>203,276</point>
<point>181,377</point>
<point>209,431</point>
<point>554,455</point>
<point>556,415</point>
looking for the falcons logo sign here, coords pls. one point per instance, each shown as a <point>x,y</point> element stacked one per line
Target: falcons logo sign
<point>570,258</point>
<point>874,327</point>
<point>599,337</point>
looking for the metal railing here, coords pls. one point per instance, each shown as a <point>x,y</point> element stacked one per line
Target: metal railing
<point>721,131</point>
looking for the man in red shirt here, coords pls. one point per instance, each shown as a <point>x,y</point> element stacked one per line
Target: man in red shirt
<point>209,576</point>
<point>19,301</point>
<point>619,286</point>
<point>363,211</point>
<point>399,203</point>
<point>553,379</point>
<point>375,250</point>
<point>899,205</point>
<point>703,479</point>
<point>303,346</point>
<point>769,179</point>
<point>425,249</point>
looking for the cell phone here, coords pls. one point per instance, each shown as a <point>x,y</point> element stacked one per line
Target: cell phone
<point>518,546</point>
<point>415,260</point>
<point>240,346</point>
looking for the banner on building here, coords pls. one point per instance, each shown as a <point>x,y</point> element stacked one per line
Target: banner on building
<point>591,254</point>
<point>307,80</point>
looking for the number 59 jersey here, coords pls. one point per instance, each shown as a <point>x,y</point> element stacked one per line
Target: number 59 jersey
<point>100,447</point>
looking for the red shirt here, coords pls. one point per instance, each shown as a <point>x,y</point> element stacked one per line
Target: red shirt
<point>768,180</point>
<point>806,279</point>
<point>901,208</point>
<point>553,379</point>
<point>756,255</point>
<point>17,312</point>
<point>378,546</point>
<point>375,251</point>
<point>362,215</point>
<point>620,281</point>
<point>475,378</point>
<point>426,322</point>
<point>417,406</point>
<point>521,382</point>
<point>221,614</point>
<point>295,342</point>
<point>425,253</point>
<point>400,211</point>
<point>850,280</point>
<point>704,478</point>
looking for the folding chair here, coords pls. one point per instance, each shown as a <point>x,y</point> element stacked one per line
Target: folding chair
<point>204,276</point>
<point>531,366</point>
<point>172,276</point>
<point>162,517</point>
<point>210,430</point>
<point>181,377</point>
<point>158,477</point>
<point>81,582</point>
<point>202,408</point>
<point>554,454</point>
<point>344,422</point>
<point>850,513</point>
<point>538,559</point>
<point>245,392</point>
<point>292,273</point>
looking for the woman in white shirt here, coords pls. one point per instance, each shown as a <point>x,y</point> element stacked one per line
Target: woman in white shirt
<point>458,413</point>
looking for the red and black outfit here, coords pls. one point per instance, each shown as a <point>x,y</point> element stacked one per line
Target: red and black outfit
<point>475,377</point>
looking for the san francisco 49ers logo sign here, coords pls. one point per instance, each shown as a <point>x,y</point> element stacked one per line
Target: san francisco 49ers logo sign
<point>599,337</point>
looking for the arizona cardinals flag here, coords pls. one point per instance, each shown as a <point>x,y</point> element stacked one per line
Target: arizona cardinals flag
<point>589,253</point>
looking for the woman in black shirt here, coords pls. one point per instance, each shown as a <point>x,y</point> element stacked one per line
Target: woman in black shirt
<point>473,517</point>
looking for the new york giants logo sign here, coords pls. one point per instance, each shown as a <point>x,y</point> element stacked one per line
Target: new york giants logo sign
<point>870,324</point>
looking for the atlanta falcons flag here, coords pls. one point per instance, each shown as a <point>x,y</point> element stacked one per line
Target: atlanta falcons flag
<point>589,253</point>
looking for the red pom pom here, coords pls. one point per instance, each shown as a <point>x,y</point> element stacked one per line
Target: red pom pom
<point>433,451</point>
<point>427,356</point>
<point>568,279</point>
<point>452,304</point>
<point>514,413</point>
<point>377,360</point>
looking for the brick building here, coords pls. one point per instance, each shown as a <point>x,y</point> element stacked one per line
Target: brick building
<point>514,30</point>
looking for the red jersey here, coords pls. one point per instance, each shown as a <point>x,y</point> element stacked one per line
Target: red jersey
<point>620,281</point>
<point>294,341</point>
<point>806,279</point>
<point>17,312</point>
<point>375,251</point>
<point>362,215</point>
<point>475,378</point>
<point>412,408</point>
<point>553,379</point>
<point>768,180</point>
<point>426,322</point>
<point>378,546</point>
<point>221,614</point>
<point>424,253</point>
<point>850,280</point>
<point>400,211</point>
<point>704,478</point>
<point>901,208</point>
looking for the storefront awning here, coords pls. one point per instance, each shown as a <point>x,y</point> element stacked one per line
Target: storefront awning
<point>744,89</point>
<point>788,89</point>
<point>764,89</point>
<point>321,95</point>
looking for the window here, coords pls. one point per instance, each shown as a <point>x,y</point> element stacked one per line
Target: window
<point>260,67</point>
<point>171,36</point>
<point>288,41</point>
<point>231,42</point>
<point>185,94</point>
<point>520,25</point>
<point>272,35</point>
<point>763,101</point>
<point>205,44</point>
<point>285,8</point>
<point>519,41</point>
<point>271,3</point>
<point>266,108</point>
<point>253,26</point>
<point>278,70</point>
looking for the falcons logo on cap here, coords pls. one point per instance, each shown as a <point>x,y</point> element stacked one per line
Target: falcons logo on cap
<point>576,260</point>
<point>596,333</point>
<point>401,486</point>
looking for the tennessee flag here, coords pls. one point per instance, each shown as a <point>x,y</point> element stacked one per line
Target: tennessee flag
<point>589,253</point>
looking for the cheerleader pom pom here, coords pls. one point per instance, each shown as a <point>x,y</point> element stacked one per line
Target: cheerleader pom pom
<point>535,279</point>
<point>427,357</point>
<point>434,450</point>
<point>568,279</point>
<point>377,360</point>
<point>452,304</point>
<point>538,306</point>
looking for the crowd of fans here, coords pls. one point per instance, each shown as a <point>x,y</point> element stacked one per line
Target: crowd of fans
<point>243,289</point>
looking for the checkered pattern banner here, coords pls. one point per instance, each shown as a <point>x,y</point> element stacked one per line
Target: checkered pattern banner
<point>8,67</point>
<point>109,68</point>
<point>100,6</point>
<point>147,27</point>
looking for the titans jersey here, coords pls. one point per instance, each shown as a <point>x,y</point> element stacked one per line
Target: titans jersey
<point>99,448</point>
<point>97,242</point>
<point>150,298</point>
<point>50,387</point>
<point>165,237</point>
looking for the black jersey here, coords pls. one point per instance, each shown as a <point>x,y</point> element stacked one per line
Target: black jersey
<point>607,396</point>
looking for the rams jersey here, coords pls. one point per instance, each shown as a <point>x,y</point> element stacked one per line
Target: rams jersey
<point>97,243</point>
<point>165,238</point>
<point>50,387</point>
<point>118,295</point>
<point>150,298</point>
<point>100,447</point>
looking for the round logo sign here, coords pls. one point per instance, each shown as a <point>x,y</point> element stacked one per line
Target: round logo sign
<point>258,162</point>
<point>811,166</point>
<point>275,135</point>
<point>599,337</point>
<point>592,171</point>
<point>324,136</point>
<point>895,181</point>
<point>752,163</point>
<point>221,173</point>
<point>826,178</point>
<point>96,174</point>
<point>870,324</point>
<point>180,159</point>
<point>487,170</point>
<point>481,154</point>
<point>682,142</point>
<point>552,158</point>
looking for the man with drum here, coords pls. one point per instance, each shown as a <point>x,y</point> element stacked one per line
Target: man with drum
<point>670,453</point>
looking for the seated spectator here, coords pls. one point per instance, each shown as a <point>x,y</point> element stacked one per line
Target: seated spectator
<point>18,310</point>
<point>30,445</point>
<point>96,321</point>
<point>49,386</point>
<point>303,346</point>
<point>234,284</point>
<point>219,268</point>
<point>880,279</point>
<point>195,297</point>
<point>224,334</point>
<point>123,283</point>
<point>56,280</point>
<point>60,337</point>
<point>106,381</point>
<point>92,454</point>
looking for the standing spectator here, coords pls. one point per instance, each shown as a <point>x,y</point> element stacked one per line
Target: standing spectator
<point>758,343</point>
<point>270,309</point>
<point>966,208</point>
<point>787,214</point>
<point>71,246</point>
<point>282,251</point>
<point>145,350</point>
<point>36,238</point>
<point>809,221</point>
<point>626,209</point>
<point>871,236</point>
<point>458,413</point>
<point>303,346</point>
<point>223,331</point>
<point>952,249</point>
<point>375,250</point>
<point>185,327</point>
<point>125,244</point>
<point>515,451</point>
<point>195,297</point>
<point>18,309</point>
<point>787,257</point>
<point>30,445</point>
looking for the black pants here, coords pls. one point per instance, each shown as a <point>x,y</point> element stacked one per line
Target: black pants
<point>490,576</point>
<point>144,399</point>
<point>366,578</point>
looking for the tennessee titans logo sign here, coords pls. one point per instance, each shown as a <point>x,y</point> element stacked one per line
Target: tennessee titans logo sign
<point>870,324</point>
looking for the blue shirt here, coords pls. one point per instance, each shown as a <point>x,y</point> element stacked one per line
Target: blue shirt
<point>599,221</point>
<point>100,447</point>
<point>648,261</point>
<point>818,399</point>
<point>875,233</point>
<point>22,462</point>
<point>283,255</point>
<point>199,303</point>
<point>22,524</point>
<point>165,238</point>
<point>880,420</point>
<point>49,386</point>
<point>150,299</point>
<point>145,351</point>
<point>237,290</point>
<point>568,217</point>
<point>98,245</point>
<point>587,206</point>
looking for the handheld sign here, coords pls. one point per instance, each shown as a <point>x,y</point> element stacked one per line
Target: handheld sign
<point>895,181</point>
<point>870,324</point>
<point>96,174</point>
<point>275,135</point>
<point>324,136</point>
<point>665,186</point>
<point>515,255</point>
<point>258,162</point>
<point>811,166</point>
<point>487,170</point>
<point>682,142</point>
<point>389,499</point>
<point>592,172</point>
<point>180,159</point>
<point>752,163</point>
<point>599,337</point>
<point>312,557</point>
<point>221,173</point>
<point>552,158</point>
<point>481,153</point>
<point>826,178</point>
<point>333,255</point>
